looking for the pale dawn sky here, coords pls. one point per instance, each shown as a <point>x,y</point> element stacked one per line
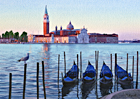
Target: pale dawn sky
<point>100,16</point>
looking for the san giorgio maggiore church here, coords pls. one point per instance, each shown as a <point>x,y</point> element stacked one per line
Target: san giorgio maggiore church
<point>69,35</point>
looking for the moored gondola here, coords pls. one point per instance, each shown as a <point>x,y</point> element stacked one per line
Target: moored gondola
<point>89,74</point>
<point>71,77</point>
<point>123,76</point>
<point>105,74</point>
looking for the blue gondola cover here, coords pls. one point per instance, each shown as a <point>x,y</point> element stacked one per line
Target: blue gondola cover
<point>73,72</point>
<point>90,71</point>
<point>105,71</point>
<point>120,73</point>
<point>68,79</point>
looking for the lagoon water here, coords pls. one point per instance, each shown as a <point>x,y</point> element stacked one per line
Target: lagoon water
<point>10,53</point>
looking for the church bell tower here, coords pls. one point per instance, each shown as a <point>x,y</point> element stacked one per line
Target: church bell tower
<point>46,23</point>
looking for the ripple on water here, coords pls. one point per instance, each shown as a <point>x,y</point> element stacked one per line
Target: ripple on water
<point>9,64</point>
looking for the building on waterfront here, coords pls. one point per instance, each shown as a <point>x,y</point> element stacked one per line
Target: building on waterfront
<point>83,37</point>
<point>46,23</point>
<point>8,40</point>
<point>69,35</point>
<point>46,37</point>
<point>103,38</point>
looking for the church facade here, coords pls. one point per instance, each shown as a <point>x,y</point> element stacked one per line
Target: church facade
<point>83,37</point>
<point>68,35</point>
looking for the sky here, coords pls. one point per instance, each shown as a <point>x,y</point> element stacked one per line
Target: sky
<point>97,16</point>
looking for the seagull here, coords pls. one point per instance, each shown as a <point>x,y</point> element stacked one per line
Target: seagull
<point>24,58</point>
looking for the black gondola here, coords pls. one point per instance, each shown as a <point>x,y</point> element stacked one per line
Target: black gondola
<point>89,74</point>
<point>71,77</point>
<point>105,74</point>
<point>123,76</point>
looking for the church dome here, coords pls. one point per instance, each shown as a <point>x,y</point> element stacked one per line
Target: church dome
<point>70,26</point>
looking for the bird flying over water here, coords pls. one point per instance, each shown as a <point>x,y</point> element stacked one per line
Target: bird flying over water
<point>24,58</point>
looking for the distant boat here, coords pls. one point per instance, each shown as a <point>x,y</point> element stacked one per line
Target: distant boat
<point>105,74</point>
<point>71,76</point>
<point>90,74</point>
<point>123,76</point>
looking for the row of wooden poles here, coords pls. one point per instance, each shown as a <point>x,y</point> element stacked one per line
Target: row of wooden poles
<point>137,64</point>
<point>96,64</point>
<point>24,81</point>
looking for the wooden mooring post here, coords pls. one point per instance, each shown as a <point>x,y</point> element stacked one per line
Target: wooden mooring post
<point>80,65</point>
<point>127,63</point>
<point>37,77</point>
<point>58,75</point>
<point>137,69</point>
<point>43,80</point>
<point>115,68</point>
<point>96,60</point>
<point>24,82</point>
<point>111,61</point>
<point>77,73</point>
<point>133,67</point>
<point>10,85</point>
<point>77,65</point>
<point>58,68</point>
<point>115,64</point>
<point>64,63</point>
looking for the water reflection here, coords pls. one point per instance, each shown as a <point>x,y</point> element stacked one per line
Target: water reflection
<point>86,88</point>
<point>67,89</point>
<point>106,89</point>
<point>126,86</point>
<point>48,53</point>
<point>45,47</point>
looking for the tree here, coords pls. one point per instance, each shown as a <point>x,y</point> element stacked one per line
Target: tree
<point>7,34</point>
<point>24,37</point>
<point>3,35</point>
<point>16,35</point>
<point>0,36</point>
<point>11,34</point>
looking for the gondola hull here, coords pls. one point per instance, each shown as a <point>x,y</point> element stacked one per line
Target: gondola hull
<point>89,74</point>
<point>125,81</point>
<point>104,80</point>
<point>105,74</point>
<point>67,83</point>
<point>71,77</point>
<point>91,80</point>
<point>123,76</point>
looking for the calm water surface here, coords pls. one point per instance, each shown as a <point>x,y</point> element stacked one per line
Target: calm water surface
<point>10,53</point>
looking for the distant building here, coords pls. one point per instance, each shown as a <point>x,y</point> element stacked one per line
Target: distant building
<point>83,37</point>
<point>69,35</point>
<point>46,23</point>
<point>8,40</point>
<point>103,38</point>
